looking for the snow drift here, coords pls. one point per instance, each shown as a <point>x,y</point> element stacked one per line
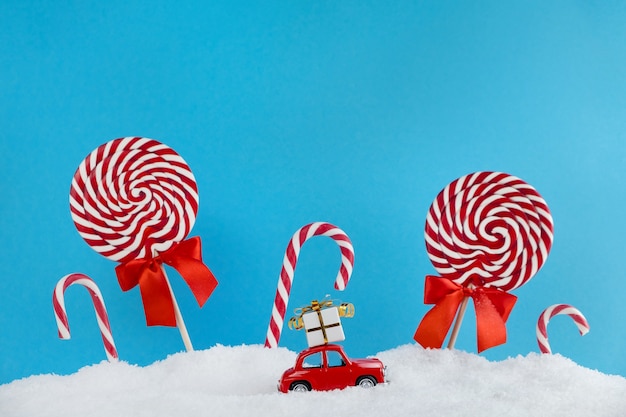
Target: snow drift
<point>241,381</point>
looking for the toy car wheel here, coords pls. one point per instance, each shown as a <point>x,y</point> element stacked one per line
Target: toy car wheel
<point>366,382</point>
<point>300,387</point>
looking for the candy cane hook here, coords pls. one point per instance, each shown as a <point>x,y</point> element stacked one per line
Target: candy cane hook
<point>553,310</point>
<point>285,279</point>
<point>58,303</point>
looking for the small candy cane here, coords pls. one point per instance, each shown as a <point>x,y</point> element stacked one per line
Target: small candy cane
<point>58,302</point>
<point>553,310</point>
<point>285,279</point>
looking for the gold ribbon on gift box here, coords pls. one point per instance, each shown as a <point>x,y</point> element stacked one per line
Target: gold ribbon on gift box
<point>296,323</point>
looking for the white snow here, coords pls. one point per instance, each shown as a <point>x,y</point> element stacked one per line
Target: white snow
<point>241,381</point>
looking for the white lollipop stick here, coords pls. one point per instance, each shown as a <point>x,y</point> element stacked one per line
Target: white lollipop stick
<point>180,323</point>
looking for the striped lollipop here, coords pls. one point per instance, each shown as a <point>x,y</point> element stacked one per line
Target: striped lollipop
<point>486,233</point>
<point>490,229</point>
<point>133,196</point>
<point>134,200</point>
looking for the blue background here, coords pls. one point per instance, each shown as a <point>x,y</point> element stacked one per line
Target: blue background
<point>355,113</point>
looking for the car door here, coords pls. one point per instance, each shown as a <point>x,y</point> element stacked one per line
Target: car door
<point>313,370</point>
<point>338,375</point>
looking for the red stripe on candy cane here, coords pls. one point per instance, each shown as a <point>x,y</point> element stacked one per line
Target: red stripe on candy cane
<point>285,280</point>
<point>58,303</point>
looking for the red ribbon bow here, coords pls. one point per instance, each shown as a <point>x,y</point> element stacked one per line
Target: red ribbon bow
<point>492,307</point>
<point>186,258</point>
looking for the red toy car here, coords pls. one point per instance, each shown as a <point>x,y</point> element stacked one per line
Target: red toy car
<point>326,367</point>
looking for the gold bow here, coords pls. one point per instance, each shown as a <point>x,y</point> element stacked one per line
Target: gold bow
<point>296,323</point>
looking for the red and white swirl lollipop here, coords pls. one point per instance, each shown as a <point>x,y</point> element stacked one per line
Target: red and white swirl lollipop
<point>486,233</point>
<point>134,200</point>
<point>490,229</point>
<point>132,196</point>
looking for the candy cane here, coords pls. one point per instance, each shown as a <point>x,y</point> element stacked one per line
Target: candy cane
<point>556,309</point>
<point>58,302</point>
<point>285,279</point>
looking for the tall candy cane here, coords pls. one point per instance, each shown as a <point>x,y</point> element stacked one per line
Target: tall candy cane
<point>554,310</point>
<point>58,302</point>
<point>285,279</point>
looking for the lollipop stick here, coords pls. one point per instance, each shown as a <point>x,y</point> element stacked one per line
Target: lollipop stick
<point>457,323</point>
<point>180,323</point>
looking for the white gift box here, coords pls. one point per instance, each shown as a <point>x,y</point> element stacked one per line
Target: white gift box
<point>323,326</point>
